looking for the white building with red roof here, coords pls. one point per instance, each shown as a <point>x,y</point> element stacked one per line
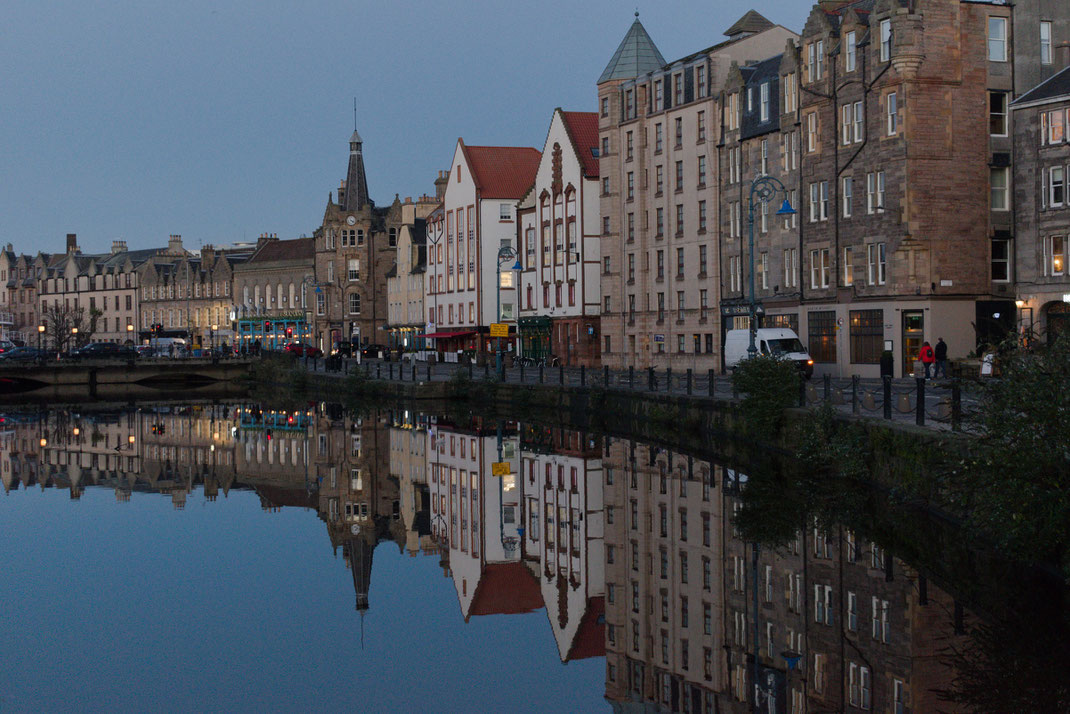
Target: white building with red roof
<point>479,211</point>
<point>559,234</point>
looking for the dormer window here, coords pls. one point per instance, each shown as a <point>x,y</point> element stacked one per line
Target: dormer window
<point>764,101</point>
<point>815,55</point>
<point>851,51</point>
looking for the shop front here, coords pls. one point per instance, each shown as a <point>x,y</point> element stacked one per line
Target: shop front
<point>272,333</point>
<point>535,336</point>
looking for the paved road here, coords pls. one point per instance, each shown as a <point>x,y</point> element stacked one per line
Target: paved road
<point>867,401</point>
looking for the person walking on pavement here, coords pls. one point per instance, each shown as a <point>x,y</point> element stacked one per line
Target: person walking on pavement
<point>940,353</point>
<point>927,357</point>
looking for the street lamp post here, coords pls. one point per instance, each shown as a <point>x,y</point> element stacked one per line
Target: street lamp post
<point>40,337</point>
<point>214,328</point>
<point>130,333</point>
<point>764,188</point>
<point>74,336</point>
<point>505,254</point>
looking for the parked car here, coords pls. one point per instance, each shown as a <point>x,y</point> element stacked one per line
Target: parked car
<point>6,345</point>
<point>777,341</point>
<point>373,351</point>
<point>104,350</point>
<point>24,354</point>
<point>299,349</point>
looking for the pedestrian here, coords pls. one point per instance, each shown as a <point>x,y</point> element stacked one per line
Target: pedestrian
<point>927,358</point>
<point>941,358</point>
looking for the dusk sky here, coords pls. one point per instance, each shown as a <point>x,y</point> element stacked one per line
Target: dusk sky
<point>220,121</point>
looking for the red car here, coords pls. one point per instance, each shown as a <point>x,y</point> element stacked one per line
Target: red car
<point>298,349</point>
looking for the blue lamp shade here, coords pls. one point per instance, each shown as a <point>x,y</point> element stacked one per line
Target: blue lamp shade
<point>518,266</point>
<point>786,209</point>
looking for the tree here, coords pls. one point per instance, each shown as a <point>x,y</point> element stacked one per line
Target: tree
<point>1015,487</point>
<point>60,323</point>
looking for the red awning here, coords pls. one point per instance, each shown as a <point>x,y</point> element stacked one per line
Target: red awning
<point>444,335</point>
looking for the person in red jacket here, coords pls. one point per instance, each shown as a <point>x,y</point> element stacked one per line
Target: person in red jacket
<point>928,357</point>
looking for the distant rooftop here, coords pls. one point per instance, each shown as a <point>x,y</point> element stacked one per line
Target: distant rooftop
<point>637,54</point>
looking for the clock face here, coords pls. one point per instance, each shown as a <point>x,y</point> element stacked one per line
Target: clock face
<point>351,220</point>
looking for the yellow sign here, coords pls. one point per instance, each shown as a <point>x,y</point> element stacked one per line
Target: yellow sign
<point>500,468</point>
<point>499,329</point>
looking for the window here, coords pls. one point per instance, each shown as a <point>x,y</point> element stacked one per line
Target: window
<point>701,123</point>
<point>702,217</point>
<point>659,95</point>
<point>823,604</point>
<point>790,96</point>
<point>700,83</point>
<point>791,267</point>
<point>848,196</point>
<point>679,219</point>
<point>1045,42</point>
<point>701,171</point>
<point>851,56</point>
<point>605,106</point>
<point>679,132</point>
<point>852,612</point>
<point>886,40</point>
<point>848,268</point>
<point>1054,255</point>
<point>354,303</point>
<point>822,336</point>
<point>859,123</point>
<point>867,336</point>
<point>997,113</point>
<point>763,271</point>
<point>899,700</point>
<point>354,269</point>
<point>1001,260</point>
<point>1000,189</point>
<point>891,110</point>
<point>997,39</point>
<point>879,628</point>
<point>876,264</point>
<point>847,114</point>
<point>816,66</point>
<point>659,179</point>
<point>764,106</point>
<point>630,185</point>
<point>678,89</point>
<point>819,201</point>
<point>765,157</point>
<point>679,175</point>
<point>702,259</point>
<point>1056,186</point>
<point>819,268</point>
<point>629,146</point>
<point>811,132</point>
<point>1054,123</point>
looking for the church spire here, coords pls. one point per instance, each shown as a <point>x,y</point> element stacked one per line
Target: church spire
<point>356,188</point>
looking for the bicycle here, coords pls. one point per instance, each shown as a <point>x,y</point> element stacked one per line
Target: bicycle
<point>553,361</point>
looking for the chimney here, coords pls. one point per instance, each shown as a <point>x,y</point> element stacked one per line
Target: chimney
<point>207,255</point>
<point>118,246</point>
<point>440,184</point>
<point>72,243</point>
<point>174,245</point>
<point>1062,55</point>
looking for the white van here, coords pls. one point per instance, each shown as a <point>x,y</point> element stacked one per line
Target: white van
<point>162,347</point>
<point>777,341</point>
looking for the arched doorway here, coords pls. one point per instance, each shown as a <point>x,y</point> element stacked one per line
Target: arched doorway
<point>1057,317</point>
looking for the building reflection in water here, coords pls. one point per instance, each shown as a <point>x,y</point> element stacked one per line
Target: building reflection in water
<point>631,549</point>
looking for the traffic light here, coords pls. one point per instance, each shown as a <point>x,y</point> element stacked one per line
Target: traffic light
<point>289,332</point>
<point>268,432</point>
<point>267,325</point>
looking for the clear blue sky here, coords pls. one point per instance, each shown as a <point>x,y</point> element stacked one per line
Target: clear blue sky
<point>219,121</point>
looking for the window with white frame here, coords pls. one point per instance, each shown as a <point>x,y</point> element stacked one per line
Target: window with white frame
<point>1056,186</point>
<point>791,267</point>
<point>848,268</point>
<point>354,269</point>
<point>997,113</point>
<point>879,627</point>
<point>997,39</point>
<point>847,116</point>
<point>763,270</point>
<point>700,82</point>
<point>1045,42</point>
<point>886,40</point>
<point>859,123</point>
<point>891,113</point>
<point>851,53</point>
<point>1054,255</point>
<point>811,132</point>
<point>875,264</point>
<point>763,112</point>
<point>1000,185</point>
<point>354,303</point>
<point>765,157</point>
<point>790,93</point>
<point>847,198</point>
<point>1053,126</point>
<point>819,268</point>
<point>880,192</point>
<point>823,604</point>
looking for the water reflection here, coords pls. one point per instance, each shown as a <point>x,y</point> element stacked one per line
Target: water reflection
<point>631,550</point>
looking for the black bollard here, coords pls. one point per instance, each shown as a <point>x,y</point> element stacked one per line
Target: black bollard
<point>920,421</point>
<point>854,394</point>
<point>689,381</point>
<point>712,386</point>
<point>583,376</point>
<point>956,405</point>
<point>605,376</point>
<point>827,379</point>
<point>887,396</point>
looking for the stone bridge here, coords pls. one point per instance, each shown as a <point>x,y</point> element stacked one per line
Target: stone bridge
<point>117,378</point>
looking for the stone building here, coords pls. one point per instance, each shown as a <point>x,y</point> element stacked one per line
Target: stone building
<point>904,205</point>
<point>558,236</point>
<point>190,295</point>
<point>1042,208</point>
<point>406,319</point>
<point>659,128</point>
<point>354,250</point>
<point>101,289</point>
<point>19,316</point>
<point>479,202</point>
<point>273,292</point>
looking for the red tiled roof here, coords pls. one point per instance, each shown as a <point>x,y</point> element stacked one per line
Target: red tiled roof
<point>502,171</point>
<point>506,589</point>
<point>296,249</point>
<point>590,640</point>
<point>583,128</point>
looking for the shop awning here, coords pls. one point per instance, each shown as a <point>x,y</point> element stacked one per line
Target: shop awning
<point>444,335</point>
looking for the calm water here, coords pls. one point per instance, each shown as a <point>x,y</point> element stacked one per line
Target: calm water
<point>231,557</point>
